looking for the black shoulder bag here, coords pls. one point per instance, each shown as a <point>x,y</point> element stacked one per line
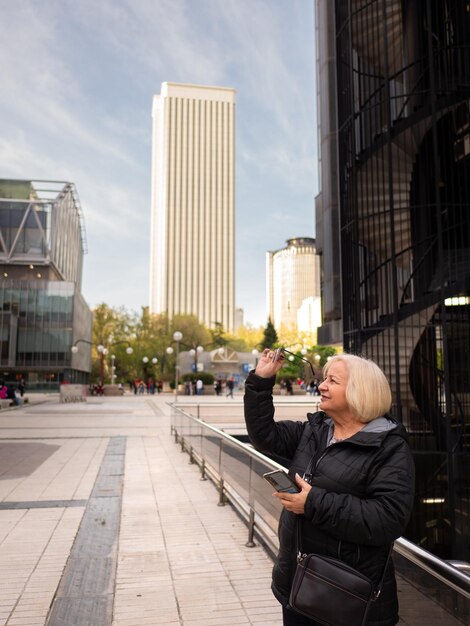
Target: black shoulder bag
<point>329,591</point>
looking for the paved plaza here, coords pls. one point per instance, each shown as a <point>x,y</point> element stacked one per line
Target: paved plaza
<point>104,522</point>
<point>135,545</point>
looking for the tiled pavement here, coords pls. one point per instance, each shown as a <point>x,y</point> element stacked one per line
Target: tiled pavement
<point>103,522</point>
<point>166,555</point>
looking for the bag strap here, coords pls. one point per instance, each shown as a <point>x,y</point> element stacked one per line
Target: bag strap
<point>378,589</point>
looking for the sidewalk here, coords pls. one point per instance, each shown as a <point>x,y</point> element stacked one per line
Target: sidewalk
<point>101,513</point>
<point>104,522</point>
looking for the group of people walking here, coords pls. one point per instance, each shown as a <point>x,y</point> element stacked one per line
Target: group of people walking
<point>224,387</point>
<point>138,386</point>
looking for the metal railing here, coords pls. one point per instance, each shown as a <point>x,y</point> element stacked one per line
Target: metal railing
<point>237,471</point>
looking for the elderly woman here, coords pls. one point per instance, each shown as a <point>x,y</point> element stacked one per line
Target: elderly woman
<point>357,498</point>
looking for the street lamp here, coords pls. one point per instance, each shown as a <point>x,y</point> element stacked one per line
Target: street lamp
<point>102,351</point>
<point>113,356</point>
<point>196,352</point>
<point>145,361</point>
<point>177,337</point>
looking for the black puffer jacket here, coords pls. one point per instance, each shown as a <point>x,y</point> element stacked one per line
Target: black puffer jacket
<point>361,498</point>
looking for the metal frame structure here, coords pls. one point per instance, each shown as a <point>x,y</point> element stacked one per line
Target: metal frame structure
<point>403,104</point>
<point>42,243</point>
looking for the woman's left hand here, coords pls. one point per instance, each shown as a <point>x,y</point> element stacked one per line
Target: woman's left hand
<point>295,502</point>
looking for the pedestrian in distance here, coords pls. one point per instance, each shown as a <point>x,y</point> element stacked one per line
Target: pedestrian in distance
<point>357,497</point>
<point>12,396</point>
<point>21,386</point>
<point>229,386</point>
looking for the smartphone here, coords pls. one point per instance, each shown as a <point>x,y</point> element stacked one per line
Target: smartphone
<point>281,481</point>
<point>276,355</point>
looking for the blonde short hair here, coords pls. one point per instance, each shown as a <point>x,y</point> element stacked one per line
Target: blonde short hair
<point>368,393</point>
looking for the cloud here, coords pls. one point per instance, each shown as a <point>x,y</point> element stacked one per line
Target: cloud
<point>77,86</point>
<point>40,90</point>
<point>206,42</point>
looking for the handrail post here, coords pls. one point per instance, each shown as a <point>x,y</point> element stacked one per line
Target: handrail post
<point>203,469</point>
<point>251,530</point>
<point>221,501</point>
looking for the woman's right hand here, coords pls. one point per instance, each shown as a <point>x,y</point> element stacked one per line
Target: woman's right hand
<point>266,366</point>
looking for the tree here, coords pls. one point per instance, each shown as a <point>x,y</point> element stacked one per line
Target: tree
<point>246,338</point>
<point>154,334</point>
<point>270,338</point>
<point>218,335</point>
<point>111,326</point>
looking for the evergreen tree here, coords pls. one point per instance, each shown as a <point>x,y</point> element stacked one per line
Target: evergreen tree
<point>218,335</point>
<point>270,338</point>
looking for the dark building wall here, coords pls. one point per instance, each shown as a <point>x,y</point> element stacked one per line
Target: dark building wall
<point>326,203</point>
<point>403,94</point>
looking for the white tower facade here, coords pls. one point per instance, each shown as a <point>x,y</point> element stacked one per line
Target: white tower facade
<point>293,275</point>
<point>192,264</point>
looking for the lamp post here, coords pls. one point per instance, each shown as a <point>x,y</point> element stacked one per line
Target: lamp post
<point>177,337</point>
<point>145,361</point>
<point>102,351</point>
<point>196,352</point>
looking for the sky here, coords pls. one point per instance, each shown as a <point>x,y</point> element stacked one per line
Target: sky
<point>77,82</point>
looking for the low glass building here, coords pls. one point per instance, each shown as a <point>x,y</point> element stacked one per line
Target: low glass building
<point>42,311</point>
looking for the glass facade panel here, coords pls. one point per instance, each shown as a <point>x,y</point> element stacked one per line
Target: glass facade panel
<point>403,85</point>
<point>41,310</point>
<point>40,315</point>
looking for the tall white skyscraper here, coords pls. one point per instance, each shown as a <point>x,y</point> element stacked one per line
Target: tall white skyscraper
<point>192,263</point>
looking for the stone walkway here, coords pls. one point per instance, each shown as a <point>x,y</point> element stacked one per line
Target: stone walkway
<point>104,521</point>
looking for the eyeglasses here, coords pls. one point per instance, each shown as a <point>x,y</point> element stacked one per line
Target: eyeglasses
<point>296,356</point>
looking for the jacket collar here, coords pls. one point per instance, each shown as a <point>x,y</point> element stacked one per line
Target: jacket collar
<point>373,433</point>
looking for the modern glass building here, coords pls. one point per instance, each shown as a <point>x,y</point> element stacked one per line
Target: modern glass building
<point>394,86</point>
<point>42,312</point>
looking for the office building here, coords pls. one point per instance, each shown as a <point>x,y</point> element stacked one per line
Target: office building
<point>394,86</point>
<point>239,318</point>
<point>42,311</point>
<point>292,276</point>
<point>192,230</point>
<point>309,318</point>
